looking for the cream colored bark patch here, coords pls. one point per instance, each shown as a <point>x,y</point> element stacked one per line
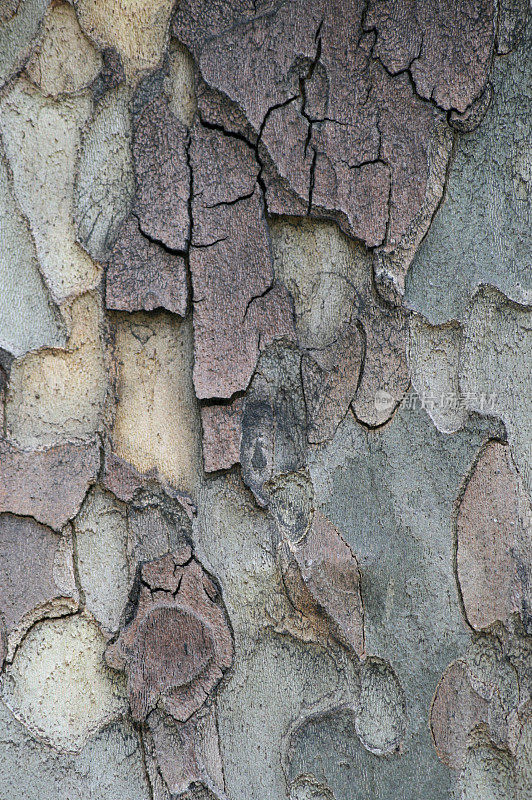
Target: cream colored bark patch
<point>157,419</point>
<point>66,61</point>
<point>101,546</point>
<point>138,29</point>
<point>20,25</point>
<point>434,360</point>
<point>24,296</point>
<point>179,86</point>
<point>57,395</point>
<point>319,266</point>
<point>41,137</point>
<point>58,684</point>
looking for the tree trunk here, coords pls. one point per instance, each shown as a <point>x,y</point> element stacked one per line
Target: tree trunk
<point>266,446</point>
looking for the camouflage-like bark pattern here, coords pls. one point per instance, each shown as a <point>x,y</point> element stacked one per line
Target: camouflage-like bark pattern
<point>265,400</point>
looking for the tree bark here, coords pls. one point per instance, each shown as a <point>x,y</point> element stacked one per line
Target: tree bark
<point>265,400</point>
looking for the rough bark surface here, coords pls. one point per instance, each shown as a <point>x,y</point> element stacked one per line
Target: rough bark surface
<point>142,276</point>
<point>265,400</point>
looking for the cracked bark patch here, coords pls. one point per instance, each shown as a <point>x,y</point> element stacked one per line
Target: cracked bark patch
<point>29,480</point>
<point>143,276</point>
<point>340,110</point>
<point>124,481</point>
<point>447,49</point>
<point>178,644</point>
<point>160,145</point>
<point>339,129</point>
<point>37,575</point>
<point>237,309</point>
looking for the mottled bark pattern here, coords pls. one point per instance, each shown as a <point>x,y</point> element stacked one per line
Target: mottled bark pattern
<point>265,416</point>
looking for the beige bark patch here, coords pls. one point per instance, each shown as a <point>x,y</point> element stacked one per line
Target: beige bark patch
<point>179,86</point>
<point>58,684</point>
<point>138,29</point>
<point>19,34</point>
<point>434,360</point>
<point>57,395</point>
<point>24,296</point>
<point>494,533</point>
<point>101,547</point>
<point>157,419</point>
<point>317,263</point>
<point>66,61</point>
<point>41,137</point>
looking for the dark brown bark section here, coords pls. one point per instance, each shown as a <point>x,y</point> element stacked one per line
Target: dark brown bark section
<point>162,174</point>
<point>142,276</point>
<point>30,481</point>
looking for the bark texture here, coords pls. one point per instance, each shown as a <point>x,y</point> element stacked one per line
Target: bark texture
<point>265,400</point>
